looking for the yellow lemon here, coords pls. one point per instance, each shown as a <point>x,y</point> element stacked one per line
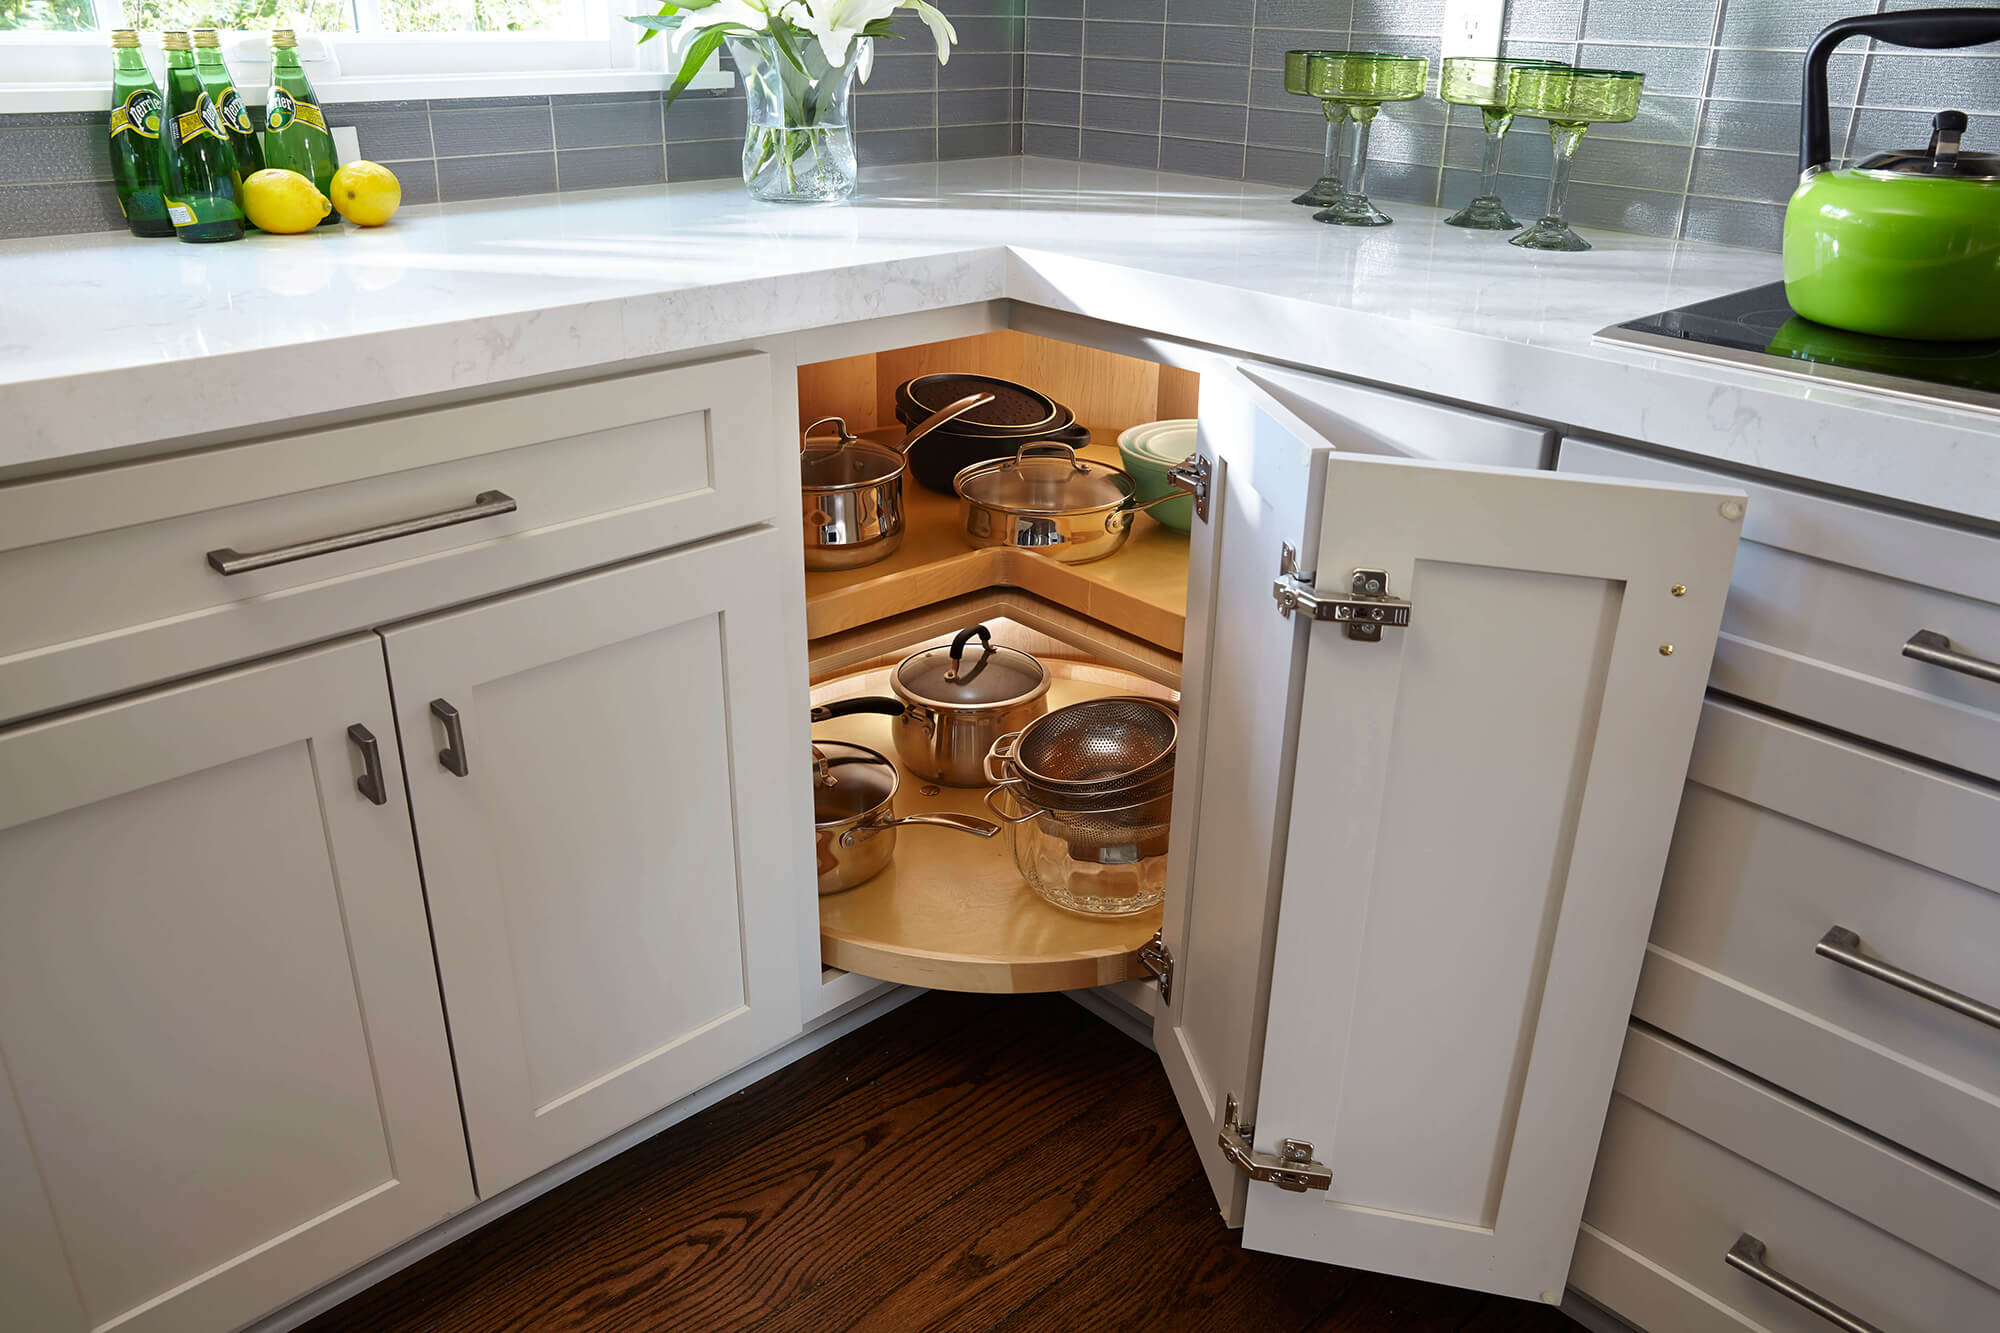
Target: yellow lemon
<point>283,201</point>
<point>367,193</point>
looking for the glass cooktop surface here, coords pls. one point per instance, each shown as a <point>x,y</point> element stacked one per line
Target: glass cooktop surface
<point>1757,329</point>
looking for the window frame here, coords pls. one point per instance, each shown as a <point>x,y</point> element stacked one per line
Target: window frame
<point>43,71</point>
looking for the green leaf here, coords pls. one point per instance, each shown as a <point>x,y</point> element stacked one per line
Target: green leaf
<point>698,53</point>
<point>781,33</point>
<point>882,28</point>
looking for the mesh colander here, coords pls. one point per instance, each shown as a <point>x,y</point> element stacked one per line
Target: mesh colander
<point>1095,746</point>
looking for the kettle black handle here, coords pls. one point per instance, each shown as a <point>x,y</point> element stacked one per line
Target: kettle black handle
<point>965,636</point>
<point>1931,29</point>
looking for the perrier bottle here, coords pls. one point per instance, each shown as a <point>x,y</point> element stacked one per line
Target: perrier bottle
<point>221,90</point>
<point>135,138</point>
<point>295,134</point>
<point>199,179</point>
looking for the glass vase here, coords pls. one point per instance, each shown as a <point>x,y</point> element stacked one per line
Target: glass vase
<point>798,147</point>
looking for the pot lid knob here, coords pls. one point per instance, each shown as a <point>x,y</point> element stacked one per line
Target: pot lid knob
<point>1947,129</point>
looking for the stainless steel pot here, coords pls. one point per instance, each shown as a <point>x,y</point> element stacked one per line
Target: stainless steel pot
<point>851,495</point>
<point>949,711</point>
<point>1045,498</point>
<point>854,815</point>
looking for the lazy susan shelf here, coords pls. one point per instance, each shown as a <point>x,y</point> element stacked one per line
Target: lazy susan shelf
<point>1142,589</point>
<point>951,912</point>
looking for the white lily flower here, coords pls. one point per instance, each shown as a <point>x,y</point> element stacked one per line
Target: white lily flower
<point>836,23</point>
<point>755,15</point>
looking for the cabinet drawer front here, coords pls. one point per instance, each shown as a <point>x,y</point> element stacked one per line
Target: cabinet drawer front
<point>108,581</point>
<point>1784,834</point>
<point>1695,1156</point>
<point>1824,598</point>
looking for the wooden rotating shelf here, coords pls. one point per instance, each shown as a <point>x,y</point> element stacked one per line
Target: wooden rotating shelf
<point>1141,590</point>
<point>951,912</point>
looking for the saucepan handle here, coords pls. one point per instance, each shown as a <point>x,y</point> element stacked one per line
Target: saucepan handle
<point>879,703</point>
<point>1931,29</point>
<point>943,416</point>
<point>984,828</point>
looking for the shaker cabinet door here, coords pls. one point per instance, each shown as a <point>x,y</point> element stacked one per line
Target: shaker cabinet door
<point>1467,849</point>
<point>591,764</point>
<point>223,1070</point>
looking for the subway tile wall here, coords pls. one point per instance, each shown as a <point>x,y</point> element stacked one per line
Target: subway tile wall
<point>1195,86</point>
<point>55,169</point>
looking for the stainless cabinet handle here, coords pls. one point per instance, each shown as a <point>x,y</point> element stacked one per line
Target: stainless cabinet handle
<point>1747,1256</point>
<point>369,784</point>
<point>1843,946</point>
<point>487,504</point>
<point>452,756</point>
<point>1933,648</point>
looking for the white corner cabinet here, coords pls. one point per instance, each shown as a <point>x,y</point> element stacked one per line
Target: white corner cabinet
<point>1438,703</point>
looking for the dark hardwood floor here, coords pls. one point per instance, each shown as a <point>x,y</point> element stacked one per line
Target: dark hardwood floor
<point>967,1162</point>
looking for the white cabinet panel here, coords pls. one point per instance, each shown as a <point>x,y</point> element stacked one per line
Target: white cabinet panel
<point>227,1063</point>
<point>613,919</point>
<point>1479,809</point>
<point>1356,419</point>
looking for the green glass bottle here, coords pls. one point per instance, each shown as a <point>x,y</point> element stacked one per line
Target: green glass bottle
<point>295,134</point>
<point>221,89</point>
<point>135,138</point>
<point>204,193</point>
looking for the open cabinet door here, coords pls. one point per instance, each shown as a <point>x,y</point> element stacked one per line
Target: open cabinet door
<point>1469,815</point>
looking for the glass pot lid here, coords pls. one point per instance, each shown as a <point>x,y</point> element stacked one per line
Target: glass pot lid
<point>849,781</point>
<point>958,676</point>
<point>1045,478</point>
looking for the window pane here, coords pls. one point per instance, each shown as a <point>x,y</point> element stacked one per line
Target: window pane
<point>479,15</point>
<point>48,15</point>
<point>244,15</point>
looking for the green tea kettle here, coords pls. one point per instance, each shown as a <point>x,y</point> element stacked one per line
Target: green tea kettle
<point>1907,244</point>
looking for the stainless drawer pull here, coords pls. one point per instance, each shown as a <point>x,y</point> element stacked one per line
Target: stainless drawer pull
<point>1843,946</point>
<point>452,756</point>
<point>1929,646</point>
<point>1747,1256</point>
<point>486,504</point>
<point>369,784</point>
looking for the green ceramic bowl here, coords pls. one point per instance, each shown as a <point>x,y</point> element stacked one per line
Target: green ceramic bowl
<point>1149,452</point>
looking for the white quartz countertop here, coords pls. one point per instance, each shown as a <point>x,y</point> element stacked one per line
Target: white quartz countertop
<point>107,342</point>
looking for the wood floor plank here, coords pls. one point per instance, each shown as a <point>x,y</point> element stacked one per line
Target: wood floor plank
<point>967,1162</point>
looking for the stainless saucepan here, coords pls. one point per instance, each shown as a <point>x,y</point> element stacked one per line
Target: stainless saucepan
<point>851,494</point>
<point>854,815</point>
<point>1047,499</point>
<point>950,708</point>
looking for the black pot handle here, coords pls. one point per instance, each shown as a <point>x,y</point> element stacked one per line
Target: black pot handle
<point>877,703</point>
<point>965,636</point>
<point>1931,29</point>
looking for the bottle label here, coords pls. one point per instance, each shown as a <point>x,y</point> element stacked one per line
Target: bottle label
<point>204,119</point>
<point>283,109</point>
<point>233,113</point>
<point>140,114</point>
<point>180,214</point>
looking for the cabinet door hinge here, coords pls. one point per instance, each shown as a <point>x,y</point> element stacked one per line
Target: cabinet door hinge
<point>1290,1168</point>
<point>1156,958</point>
<point>1364,611</point>
<point>1192,475</point>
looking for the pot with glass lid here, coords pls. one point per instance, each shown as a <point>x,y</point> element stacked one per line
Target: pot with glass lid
<point>950,708</point>
<point>854,815</point>
<point>1044,498</point>
<point>1906,244</point>
<point>851,493</point>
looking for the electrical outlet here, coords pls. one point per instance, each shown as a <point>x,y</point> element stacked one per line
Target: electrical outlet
<point>1472,27</point>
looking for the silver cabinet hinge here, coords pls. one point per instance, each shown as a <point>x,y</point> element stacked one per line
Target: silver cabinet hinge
<point>1365,610</point>
<point>1192,475</point>
<point>1290,1168</point>
<point>1156,958</point>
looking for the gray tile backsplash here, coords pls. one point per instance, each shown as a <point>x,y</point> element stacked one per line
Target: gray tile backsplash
<point>1190,86</point>
<point>1711,156</point>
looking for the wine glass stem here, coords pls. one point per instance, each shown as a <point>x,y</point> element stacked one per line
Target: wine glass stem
<point>1336,122</point>
<point>1564,138</point>
<point>1355,178</point>
<point>1489,158</point>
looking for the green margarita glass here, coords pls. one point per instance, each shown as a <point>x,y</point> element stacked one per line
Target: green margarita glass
<point>1481,81</point>
<point>1327,190</point>
<point>1571,101</point>
<point>1360,82</point>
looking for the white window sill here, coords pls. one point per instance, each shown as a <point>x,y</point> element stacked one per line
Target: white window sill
<point>18,98</point>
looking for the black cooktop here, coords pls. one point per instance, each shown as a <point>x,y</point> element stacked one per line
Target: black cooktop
<point>1757,328</point>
